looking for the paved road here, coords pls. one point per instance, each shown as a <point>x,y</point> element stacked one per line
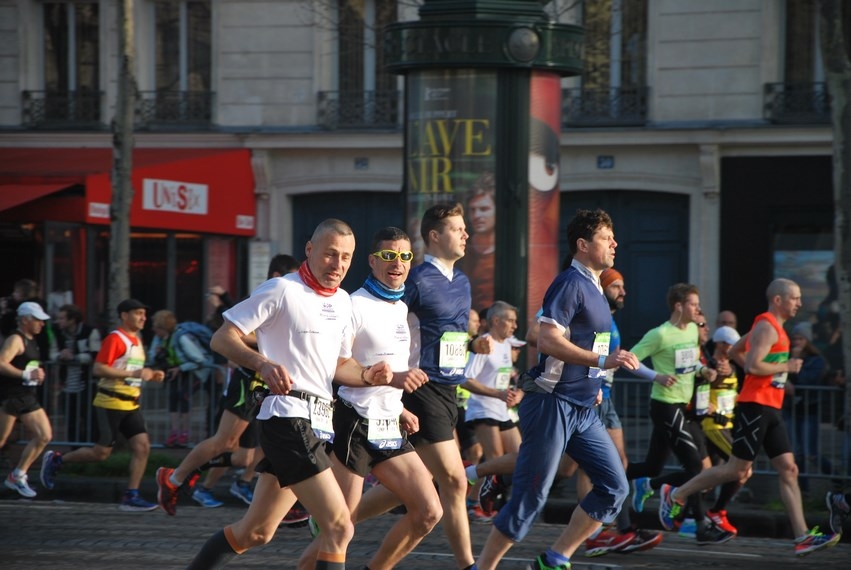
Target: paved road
<point>59,535</point>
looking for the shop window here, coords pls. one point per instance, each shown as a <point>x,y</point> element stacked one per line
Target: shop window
<point>188,283</point>
<point>65,267</point>
<point>149,269</point>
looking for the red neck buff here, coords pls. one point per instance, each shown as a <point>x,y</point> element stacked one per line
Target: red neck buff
<point>311,281</point>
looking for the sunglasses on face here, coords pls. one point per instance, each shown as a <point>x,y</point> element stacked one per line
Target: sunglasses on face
<point>389,255</point>
<point>701,325</point>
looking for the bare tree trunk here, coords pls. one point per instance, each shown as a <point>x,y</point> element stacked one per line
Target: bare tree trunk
<point>838,74</point>
<point>122,168</point>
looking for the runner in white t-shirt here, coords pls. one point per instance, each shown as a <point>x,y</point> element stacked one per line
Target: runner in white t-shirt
<point>370,424</point>
<point>302,322</point>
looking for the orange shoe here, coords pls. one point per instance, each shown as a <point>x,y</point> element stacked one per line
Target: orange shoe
<point>719,517</point>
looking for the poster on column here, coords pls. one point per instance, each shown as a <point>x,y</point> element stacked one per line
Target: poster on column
<point>544,129</point>
<point>450,158</point>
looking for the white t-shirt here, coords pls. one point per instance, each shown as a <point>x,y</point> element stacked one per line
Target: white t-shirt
<point>300,329</point>
<point>380,332</point>
<point>492,370</point>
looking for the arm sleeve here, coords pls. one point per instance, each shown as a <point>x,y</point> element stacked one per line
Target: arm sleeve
<point>645,372</point>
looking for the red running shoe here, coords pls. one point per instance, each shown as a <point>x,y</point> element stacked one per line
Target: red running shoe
<point>167,493</point>
<point>719,517</point>
<point>606,542</point>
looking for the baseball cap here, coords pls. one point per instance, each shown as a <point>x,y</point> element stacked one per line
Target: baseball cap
<point>128,305</point>
<point>515,342</point>
<point>726,334</point>
<point>31,309</point>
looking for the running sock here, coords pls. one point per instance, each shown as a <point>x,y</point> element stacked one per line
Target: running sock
<point>331,561</point>
<point>471,473</point>
<point>725,494</point>
<point>17,473</point>
<point>221,460</point>
<point>173,480</point>
<point>215,553</point>
<point>553,558</point>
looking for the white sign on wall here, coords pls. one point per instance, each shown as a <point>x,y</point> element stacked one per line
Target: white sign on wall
<point>173,196</point>
<point>259,255</point>
<point>98,210</point>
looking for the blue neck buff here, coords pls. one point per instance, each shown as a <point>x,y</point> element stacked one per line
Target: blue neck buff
<point>382,291</point>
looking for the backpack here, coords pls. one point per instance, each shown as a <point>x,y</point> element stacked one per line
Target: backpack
<point>199,332</point>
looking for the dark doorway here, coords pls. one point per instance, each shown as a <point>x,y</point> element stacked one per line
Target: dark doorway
<point>651,229</point>
<point>365,212</point>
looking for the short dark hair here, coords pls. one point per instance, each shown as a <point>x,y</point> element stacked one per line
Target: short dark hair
<point>26,288</point>
<point>282,264</point>
<point>435,217</point>
<point>389,233</point>
<point>584,224</point>
<point>72,312</point>
<point>678,293</point>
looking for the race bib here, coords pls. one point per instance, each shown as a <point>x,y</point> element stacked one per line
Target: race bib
<point>321,414</point>
<point>726,402</point>
<point>701,400</point>
<point>31,365</point>
<point>601,346</point>
<point>503,379</point>
<point>686,359</point>
<point>453,350</point>
<point>384,434</point>
<point>134,364</point>
<point>779,380</point>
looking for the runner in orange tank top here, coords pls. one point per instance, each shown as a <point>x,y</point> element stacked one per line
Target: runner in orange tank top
<point>758,422</point>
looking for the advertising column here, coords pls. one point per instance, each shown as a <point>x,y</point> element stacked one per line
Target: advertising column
<point>450,157</point>
<point>483,88</point>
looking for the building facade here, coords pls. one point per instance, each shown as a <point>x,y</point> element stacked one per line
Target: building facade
<point>702,127</point>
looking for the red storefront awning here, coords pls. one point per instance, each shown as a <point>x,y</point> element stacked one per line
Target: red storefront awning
<point>195,190</point>
<point>12,195</point>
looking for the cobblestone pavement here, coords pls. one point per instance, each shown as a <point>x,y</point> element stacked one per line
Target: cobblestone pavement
<point>60,535</point>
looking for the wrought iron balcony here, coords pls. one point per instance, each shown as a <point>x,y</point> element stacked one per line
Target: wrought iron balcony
<point>62,109</point>
<point>359,109</point>
<point>615,107</point>
<point>174,109</point>
<point>797,103</point>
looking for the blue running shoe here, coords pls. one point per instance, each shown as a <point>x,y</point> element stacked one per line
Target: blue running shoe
<point>641,491</point>
<point>205,498</point>
<point>50,464</point>
<point>242,491</point>
<point>838,508</point>
<point>815,540</point>
<point>668,508</point>
<point>133,503</point>
<point>688,529</point>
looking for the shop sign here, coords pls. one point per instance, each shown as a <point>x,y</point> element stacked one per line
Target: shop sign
<point>173,196</point>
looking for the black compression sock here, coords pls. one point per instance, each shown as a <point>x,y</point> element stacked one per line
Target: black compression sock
<point>221,460</point>
<point>215,553</point>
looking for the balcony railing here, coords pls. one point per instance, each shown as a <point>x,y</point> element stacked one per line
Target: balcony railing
<point>359,110</point>
<point>174,109</point>
<point>62,109</point>
<point>615,107</point>
<point>797,103</point>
